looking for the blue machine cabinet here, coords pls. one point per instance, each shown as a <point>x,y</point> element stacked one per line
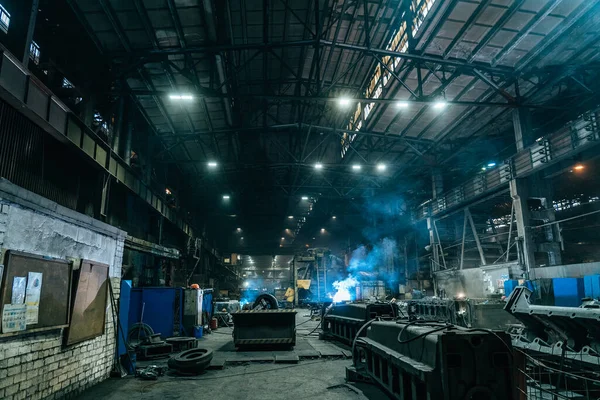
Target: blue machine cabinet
<point>568,292</point>
<point>591,285</point>
<point>163,309</point>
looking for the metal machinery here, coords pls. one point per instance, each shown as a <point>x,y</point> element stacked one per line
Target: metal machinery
<point>468,313</point>
<point>342,321</point>
<point>574,331</point>
<point>264,324</point>
<point>559,347</point>
<point>423,360</point>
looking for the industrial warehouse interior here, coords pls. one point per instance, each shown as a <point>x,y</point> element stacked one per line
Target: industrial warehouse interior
<point>300,199</point>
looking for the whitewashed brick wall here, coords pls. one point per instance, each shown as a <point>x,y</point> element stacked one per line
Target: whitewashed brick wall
<point>37,366</point>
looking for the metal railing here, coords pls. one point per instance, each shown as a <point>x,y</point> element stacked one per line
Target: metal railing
<point>574,137</point>
<point>25,92</point>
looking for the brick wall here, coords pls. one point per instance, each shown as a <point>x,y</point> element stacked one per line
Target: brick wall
<point>37,365</point>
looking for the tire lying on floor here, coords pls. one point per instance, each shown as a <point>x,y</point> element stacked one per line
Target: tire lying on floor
<point>191,361</point>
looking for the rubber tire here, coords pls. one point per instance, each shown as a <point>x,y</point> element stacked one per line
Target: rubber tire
<point>145,328</point>
<point>269,298</point>
<point>191,361</point>
<point>191,358</point>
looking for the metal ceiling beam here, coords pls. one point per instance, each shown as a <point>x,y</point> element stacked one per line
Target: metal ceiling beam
<point>275,128</point>
<point>208,48</point>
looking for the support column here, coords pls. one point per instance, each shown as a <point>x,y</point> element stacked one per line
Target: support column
<point>30,30</point>
<point>433,245</point>
<point>550,241</point>
<point>437,183</point>
<point>519,192</point>
<point>88,111</point>
<point>522,126</point>
<point>128,138</point>
<point>119,126</point>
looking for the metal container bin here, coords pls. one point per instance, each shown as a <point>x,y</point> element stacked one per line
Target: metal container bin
<point>264,327</point>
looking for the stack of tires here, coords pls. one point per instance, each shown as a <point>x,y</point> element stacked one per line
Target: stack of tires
<point>193,361</point>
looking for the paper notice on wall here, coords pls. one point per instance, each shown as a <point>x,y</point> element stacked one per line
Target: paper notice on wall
<point>18,290</point>
<point>32,298</point>
<point>14,318</point>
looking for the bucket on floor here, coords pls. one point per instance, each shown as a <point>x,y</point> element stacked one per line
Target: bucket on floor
<point>198,331</point>
<point>214,323</point>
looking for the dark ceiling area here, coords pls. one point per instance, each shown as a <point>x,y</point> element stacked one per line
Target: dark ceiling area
<point>312,110</point>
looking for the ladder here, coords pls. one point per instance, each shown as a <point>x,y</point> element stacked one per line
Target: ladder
<point>321,269</point>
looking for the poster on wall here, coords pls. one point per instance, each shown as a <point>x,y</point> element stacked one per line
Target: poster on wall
<point>14,318</point>
<point>32,296</point>
<point>18,290</point>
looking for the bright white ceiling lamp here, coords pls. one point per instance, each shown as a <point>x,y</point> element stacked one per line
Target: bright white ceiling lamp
<point>318,166</point>
<point>184,97</point>
<point>381,167</point>
<point>344,101</point>
<point>226,197</point>
<point>304,197</point>
<point>356,167</point>
<point>440,104</point>
<point>402,104</point>
<point>290,217</point>
<point>212,164</point>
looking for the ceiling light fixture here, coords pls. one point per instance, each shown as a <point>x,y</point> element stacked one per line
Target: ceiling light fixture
<point>181,97</point>
<point>290,217</point>
<point>344,101</point>
<point>579,167</point>
<point>491,164</point>
<point>402,104</point>
<point>356,167</point>
<point>322,230</point>
<point>226,197</point>
<point>381,167</point>
<point>318,166</point>
<point>439,105</point>
<point>334,217</point>
<point>212,164</point>
<point>304,197</point>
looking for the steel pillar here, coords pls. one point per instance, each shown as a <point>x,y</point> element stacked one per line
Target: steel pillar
<point>119,126</point>
<point>522,127</point>
<point>128,138</point>
<point>30,30</point>
<point>437,183</point>
<point>433,245</point>
<point>519,191</point>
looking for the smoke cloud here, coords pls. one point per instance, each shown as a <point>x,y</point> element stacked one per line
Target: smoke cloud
<point>368,263</point>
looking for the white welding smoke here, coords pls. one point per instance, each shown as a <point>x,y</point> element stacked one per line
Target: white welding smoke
<point>343,289</point>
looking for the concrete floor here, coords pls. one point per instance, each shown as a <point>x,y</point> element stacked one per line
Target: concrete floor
<point>323,379</point>
<point>318,371</point>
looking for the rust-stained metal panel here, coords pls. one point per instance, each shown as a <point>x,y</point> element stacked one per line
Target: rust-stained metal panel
<point>89,303</point>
